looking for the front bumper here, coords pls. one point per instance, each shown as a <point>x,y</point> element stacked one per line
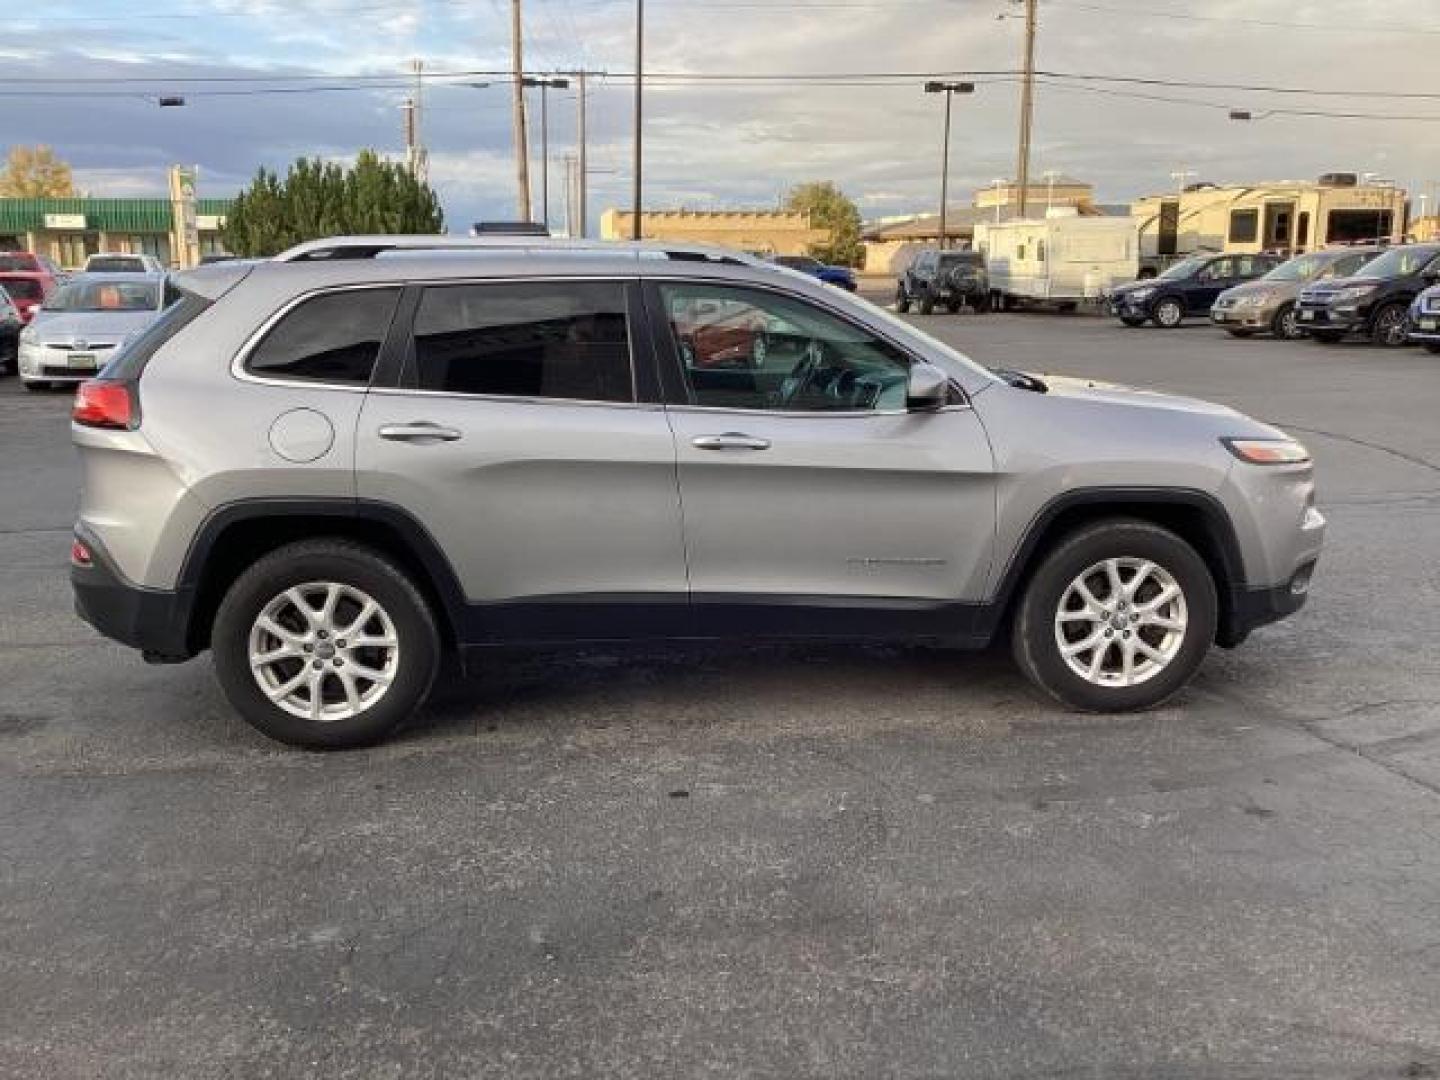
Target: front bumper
<point>1337,320</point>
<point>1251,609</point>
<point>1425,326</point>
<point>155,621</point>
<point>1246,318</point>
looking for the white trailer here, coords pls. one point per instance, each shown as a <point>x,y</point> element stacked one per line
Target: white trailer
<point>1060,259</point>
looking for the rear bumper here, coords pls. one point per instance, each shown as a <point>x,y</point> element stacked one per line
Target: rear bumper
<point>155,621</point>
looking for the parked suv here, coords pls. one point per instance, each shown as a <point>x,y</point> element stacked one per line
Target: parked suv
<point>333,467</point>
<point>1425,319</point>
<point>1375,302</point>
<point>1186,290</point>
<point>951,279</point>
<point>1267,305</point>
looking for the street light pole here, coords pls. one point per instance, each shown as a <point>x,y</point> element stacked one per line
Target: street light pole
<point>581,194</point>
<point>639,115</point>
<point>949,89</point>
<point>545,84</point>
<point>522,149</point>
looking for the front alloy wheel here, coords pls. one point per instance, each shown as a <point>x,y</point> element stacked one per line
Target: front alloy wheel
<point>1121,622</point>
<point>1169,313</point>
<point>1391,328</point>
<point>1117,617</point>
<point>1286,324</point>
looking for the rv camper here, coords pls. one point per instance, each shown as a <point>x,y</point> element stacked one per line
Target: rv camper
<point>1061,259</point>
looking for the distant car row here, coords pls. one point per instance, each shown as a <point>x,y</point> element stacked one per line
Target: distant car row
<point>1390,296</point>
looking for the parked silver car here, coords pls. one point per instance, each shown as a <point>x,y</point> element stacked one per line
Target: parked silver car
<point>1267,305</point>
<point>83,322</point>
<point>332,467</point>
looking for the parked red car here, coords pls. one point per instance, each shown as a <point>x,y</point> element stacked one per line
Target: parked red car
<point>28,289</point>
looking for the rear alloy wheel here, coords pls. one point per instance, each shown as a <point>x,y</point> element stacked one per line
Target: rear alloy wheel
<point>1286,324</point>
<point>1118,617</point>
<point>1169,313</point>
<point>1391,326</point>
<point>325,644</point>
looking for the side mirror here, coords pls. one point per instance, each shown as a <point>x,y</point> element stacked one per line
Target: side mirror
<point>927,389</point>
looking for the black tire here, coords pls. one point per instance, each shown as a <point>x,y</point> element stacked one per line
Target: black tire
<point>1131,321</point>
<point>1286,324</point>
<point>1168,313</point>
<point>36,387</point>
<point>1390,326</point>
<point>1327,337</point>
<point>983,304</point>
<point>1239,333</point>
<point>953,306</point>
<point>345,563</point>
<point>927,303</point>
<point>902,299</point>
<point>1432,347</point>
<point>1033,638</point>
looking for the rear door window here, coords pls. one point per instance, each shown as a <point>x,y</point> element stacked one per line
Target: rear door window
<point>568,340</point>
<point>330,338</point>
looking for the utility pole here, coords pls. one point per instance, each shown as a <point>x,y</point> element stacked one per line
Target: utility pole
<point>582,194</point>
<point>1180,176</point>
<point>1027,109</point>
<point>415,153</point>
<point>639,114</point>
<point>570,196</point>
<point>522,149</point>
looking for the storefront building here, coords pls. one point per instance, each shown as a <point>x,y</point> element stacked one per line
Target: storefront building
<point>68,230</point>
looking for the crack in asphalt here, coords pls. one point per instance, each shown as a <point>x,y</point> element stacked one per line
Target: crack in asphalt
<point>1311,726</point>
<point>1403,455</point>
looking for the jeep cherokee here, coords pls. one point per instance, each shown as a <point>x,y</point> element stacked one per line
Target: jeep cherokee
<point>332,468</point>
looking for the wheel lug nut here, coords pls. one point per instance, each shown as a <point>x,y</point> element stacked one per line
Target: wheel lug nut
<point>1126,634</point>
<point>321,634</point>
<point>340,644</point>
<point>1109,633</point>
<point>318,664</point>
<point>339,662</point>
<point>309,648</point>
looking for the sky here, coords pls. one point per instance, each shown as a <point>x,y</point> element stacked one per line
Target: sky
<point>723,143</point>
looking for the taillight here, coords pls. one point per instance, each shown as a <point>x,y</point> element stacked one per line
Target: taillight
<point>80,553</point>
<point>104,404</point>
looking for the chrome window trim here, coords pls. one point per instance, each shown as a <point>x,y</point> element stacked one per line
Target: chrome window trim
<point>503,399</point>
<point>251,343</point>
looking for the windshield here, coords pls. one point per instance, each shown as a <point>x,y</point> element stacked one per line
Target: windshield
<point>1300,268</point>
<point>22,288</point>
<point>106,296</point>
<point>1398,262</point>
<point>9,261</point>
<point>941,354</point>
<point>1184,268</point>
<point>114,263</point>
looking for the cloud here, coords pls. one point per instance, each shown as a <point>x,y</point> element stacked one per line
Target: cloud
<point>721,144</point>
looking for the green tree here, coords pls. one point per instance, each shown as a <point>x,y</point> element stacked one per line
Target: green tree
<point>35,172</point>
<point>316,199</point>
<point>830,208</point>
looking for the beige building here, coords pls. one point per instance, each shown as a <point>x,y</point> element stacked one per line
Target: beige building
<point>1282,216</point>
<point>1424,230</point>
<point>1057,190</point>
<point>761,232</point>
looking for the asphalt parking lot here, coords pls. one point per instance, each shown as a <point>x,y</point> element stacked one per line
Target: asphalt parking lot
<point>760,861</point>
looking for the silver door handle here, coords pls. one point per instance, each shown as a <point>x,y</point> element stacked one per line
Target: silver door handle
<point>731,440</point>
<point>421,431</point>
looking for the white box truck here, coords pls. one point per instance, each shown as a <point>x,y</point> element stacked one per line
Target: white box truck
<point>1062,259</point>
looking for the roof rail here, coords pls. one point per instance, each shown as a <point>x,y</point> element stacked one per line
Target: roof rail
<point>369,247</point>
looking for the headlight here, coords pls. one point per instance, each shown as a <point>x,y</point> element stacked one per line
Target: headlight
<point>1142,294</point>
<point>1253,299</point>
<point>1353,292</point>
<point>1268,451</point>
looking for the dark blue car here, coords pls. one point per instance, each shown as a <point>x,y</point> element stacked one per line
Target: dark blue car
<point>842,276</point>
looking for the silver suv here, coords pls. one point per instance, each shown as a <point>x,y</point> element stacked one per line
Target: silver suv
<point>334,467</point>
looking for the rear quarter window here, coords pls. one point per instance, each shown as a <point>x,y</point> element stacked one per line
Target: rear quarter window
<point>127,364</point>
<point>330,338</point>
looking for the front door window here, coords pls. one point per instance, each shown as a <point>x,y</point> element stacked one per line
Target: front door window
<point>743,348</point>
